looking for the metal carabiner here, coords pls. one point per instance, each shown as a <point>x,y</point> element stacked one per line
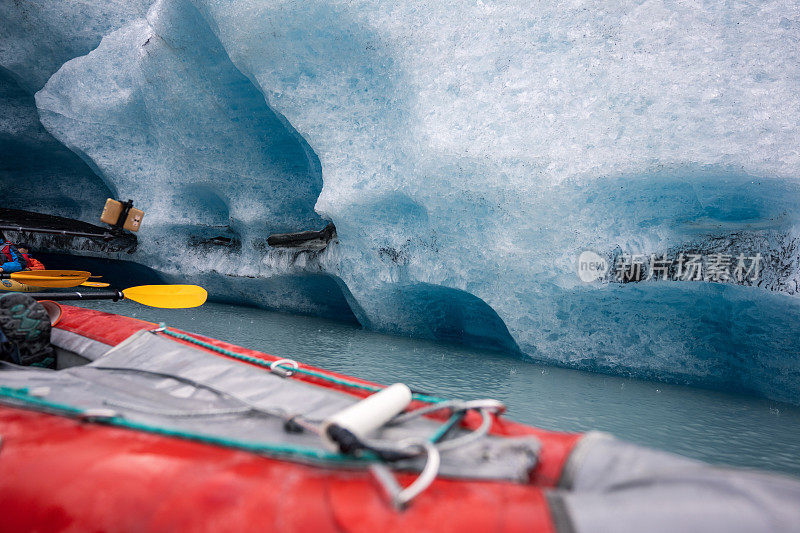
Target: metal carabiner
<point>398,496</point>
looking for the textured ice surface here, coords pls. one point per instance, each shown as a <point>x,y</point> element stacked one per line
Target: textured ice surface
<point>38,36</point>
<point>36,169</point>
<point>175,124</point>
<point>467,154</point>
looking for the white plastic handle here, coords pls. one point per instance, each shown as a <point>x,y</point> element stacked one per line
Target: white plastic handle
<point>369,414</point>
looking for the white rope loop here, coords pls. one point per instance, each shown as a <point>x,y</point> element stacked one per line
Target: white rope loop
<point>276,368</point>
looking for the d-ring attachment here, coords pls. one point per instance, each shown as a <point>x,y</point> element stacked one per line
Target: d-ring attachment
<point>400,497</point>
<point>275,367</point>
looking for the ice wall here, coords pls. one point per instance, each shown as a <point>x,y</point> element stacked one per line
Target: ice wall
<point>38,37</point>
<point>36,169</point>
<point>176,126</point>
<point>467,154</point>
<point>481,147</point>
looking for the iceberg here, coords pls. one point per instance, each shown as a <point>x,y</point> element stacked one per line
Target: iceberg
<point>35,168</point>
<point>38,37</point>
<point>467,156</point>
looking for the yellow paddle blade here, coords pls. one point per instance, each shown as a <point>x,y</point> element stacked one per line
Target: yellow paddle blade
<point>51,278</point>
<point>167,296</point>
<point>95,284</point>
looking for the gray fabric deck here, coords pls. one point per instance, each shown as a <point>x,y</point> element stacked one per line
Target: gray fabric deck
<point>610,486</point>
<point>154,380</point>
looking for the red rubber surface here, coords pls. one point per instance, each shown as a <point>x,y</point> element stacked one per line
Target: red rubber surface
<point>57,474</point>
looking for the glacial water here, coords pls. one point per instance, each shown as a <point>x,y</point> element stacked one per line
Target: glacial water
<point>717,427</point>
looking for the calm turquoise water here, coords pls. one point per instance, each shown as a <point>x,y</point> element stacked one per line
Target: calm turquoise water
<point>712,426</point>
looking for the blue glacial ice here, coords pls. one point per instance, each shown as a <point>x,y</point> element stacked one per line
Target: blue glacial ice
<point>467,154</point>
<point>36,170</point>
<point>38,37</point>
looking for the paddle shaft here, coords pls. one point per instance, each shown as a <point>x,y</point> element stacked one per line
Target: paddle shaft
<point>114,295</point>
<point>161,296</point>
<point>105,235</point>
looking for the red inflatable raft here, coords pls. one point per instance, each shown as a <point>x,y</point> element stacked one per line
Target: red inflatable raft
<point>107,443</point>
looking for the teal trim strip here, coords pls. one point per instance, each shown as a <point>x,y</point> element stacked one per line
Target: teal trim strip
<point>24,396</point>
<point>279,450</point>
<point>266,364</point>
<point>454,419</point>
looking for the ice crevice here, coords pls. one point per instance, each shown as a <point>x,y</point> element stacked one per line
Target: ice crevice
<point>36,168</point>
<point>180,129</point>
<point>466,157</point>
